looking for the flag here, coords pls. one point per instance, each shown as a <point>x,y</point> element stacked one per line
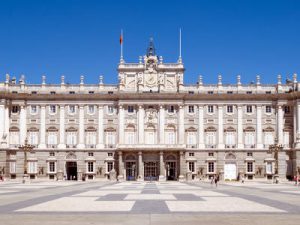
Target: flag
<point>121,39</point>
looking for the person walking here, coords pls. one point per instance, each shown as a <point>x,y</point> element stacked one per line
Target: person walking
<point>217,180</point>
<point>212,180</point>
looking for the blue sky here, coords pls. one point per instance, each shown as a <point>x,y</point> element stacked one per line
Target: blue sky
<point>81,37</point>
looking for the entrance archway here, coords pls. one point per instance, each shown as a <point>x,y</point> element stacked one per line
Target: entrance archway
<point>71,169</point>
<point>130,167</point>
<point>230,168</point>
<point>171,167</point>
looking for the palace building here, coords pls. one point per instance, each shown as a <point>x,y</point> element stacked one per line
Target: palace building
<point>150,126</point>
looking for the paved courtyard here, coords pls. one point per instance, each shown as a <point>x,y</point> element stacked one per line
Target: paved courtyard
<point>148,203</point>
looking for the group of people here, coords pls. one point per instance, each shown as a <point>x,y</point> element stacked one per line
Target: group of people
<point>214,180</point>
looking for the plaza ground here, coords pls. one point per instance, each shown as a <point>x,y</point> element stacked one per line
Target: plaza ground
<point>72,202</point>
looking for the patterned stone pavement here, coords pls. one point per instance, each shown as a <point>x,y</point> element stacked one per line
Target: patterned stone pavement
<point>148,198</point>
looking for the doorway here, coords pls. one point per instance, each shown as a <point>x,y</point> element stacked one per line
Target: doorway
<point>171,170</point>
<point>130,170</point>
<point>230,171</point>
<point>151,171</point>
<point>71,169</point>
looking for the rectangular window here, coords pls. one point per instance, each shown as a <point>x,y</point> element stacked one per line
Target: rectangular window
<point>170,137</point>
<point>191,138</point>
<point>52,109</point>
<point>130,109</point>
<point>110,138</point>
<point>71,138</point>
<point>249,108</point>
<point>269,139</point>
<point>110,154</point>
<point>52,167</point>
<point>15,109</point>
<point>109,166</point>
<point>249,138</point>
<point>210,139</point>
<point>249,92</point>
<point>52,154</point>
<point>210,109</point>
<point>211,167</point>
<point>110,109</point>
<point>268,109</point>
<point>91,109</point>
<point>71,108</point>
<point>229,109</point>
<point>32,167</point>
<point>249,154</point>
<point>250,167</point>
<point>191,109</point>
<point>211,154</point>
<point>91,154</point>
<point>269,168</point>
<point>72,92</point>
<point>192,166</point>
<point>210,92</point>
<point>229,92</point>
<point>91,139</point>
<point>52,138</point>
<point>90,167</point>
<point>230,138</point>
<point>33,138</point>
<point>191,154</point>
<point>12,167</point>
<point>52,92</point>
<point>171,109</point>
<point>33,109</point>
<point>286,109</point>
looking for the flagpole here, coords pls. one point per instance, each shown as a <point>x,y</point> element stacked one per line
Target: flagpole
<point>180,59</point>
<point>121,42</point>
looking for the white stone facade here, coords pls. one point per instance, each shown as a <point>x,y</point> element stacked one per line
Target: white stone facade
<point>149,126</point>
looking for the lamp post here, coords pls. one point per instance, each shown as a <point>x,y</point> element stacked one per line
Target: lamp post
<point>275,148</point>
<point>26,148</point>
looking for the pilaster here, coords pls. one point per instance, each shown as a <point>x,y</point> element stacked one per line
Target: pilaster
<point>61,127</point>
<point>43,127</point>
<point>100,128</point>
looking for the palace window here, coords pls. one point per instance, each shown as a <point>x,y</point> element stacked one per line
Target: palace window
<point>110,154</point>
<point>91,109</point>
<point>14,136</point>
<point>191,154</point>
<point>33,137</point>
<point>269,168</point>
<point>15,109</point>
<point>72,109</point>
<point>90,167</point>
<point>230,138</point>
<point>52,168</point>
<point>90,138</point>
<point>192,166</point>
<point>210,92</point>
<point>250,154</point>
<point>268,136</point>
<point>52,109</point>
<point>12,167</point>
<point>110,137</point>
<point>52,154</point>
<point>110,109</point>
<point>211,167</point>
<point>210,138</point>
<point>268,109</point>
<point>33,109</point>
<point>249,108</point>
<point>287,109</point>
<point>211,154</point>
<point>170,135</point>
<point>191,138</point>
<point>250,167</point>
<point>130,109</point>
<point>210,109</point>
<point>32,167</point>
<point>52,138</point>
<point>191,109</point>
<point>110,166</point>
<point>286,138</point>
<point>249,138</point>
<point>171,109</point>
<point>229,109</point>
<point>71,138</point>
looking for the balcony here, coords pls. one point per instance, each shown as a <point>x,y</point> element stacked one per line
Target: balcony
<point>230,146</point>
<point>51,146</point>
<point>91,146</point>
<point>250,146</point>
<point>14,146</point>
<point>70,146</point>
<point>210,146</point>
<point>152,146</point>
<point>191,146</point>
<point>110,146</point>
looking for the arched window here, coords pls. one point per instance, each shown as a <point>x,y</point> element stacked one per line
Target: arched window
<point>210,137</point>
<point>130,134</point>
<point>170,134</point>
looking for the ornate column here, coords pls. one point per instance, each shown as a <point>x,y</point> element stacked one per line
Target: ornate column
<point>259,143</point>
<point>161,124</point>
<point>181,125</point>
<point>141,167</point>
<point>100,127</point>
<point>200,127</point>
<point>280,124</point>
<point>220,127</point>
<point>22,124</point>
<point>240,143</point>
<point>121,124</point>
<point>141,114</point>
<point>121,167</point>
<point>81,144</point>
<point>62,127</point>
<point>181,166</point>
<point>43,127</point>
<point>162,170</point>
